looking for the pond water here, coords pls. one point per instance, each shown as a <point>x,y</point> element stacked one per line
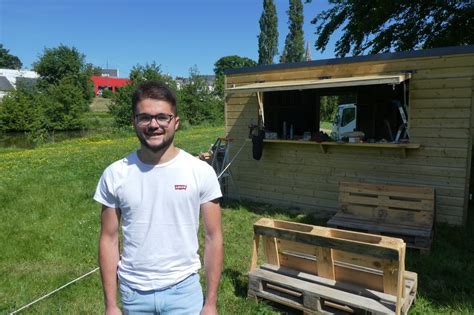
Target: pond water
<point>22,140</point>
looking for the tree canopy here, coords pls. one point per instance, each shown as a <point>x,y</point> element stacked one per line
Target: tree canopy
<point>268,38</point>
<point>232,62</point>
<point>383,26</point>
<point>7,60</point>
<point>150,72</point>
<point>197,103</point>
<point>65,63</point>
<point>229,62</point>
<point>294,42</point>
<point>59,62</point>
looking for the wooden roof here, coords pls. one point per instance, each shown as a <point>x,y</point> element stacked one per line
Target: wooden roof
<point>319,83</point>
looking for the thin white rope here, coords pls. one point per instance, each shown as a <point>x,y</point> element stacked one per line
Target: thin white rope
<point>227,166</point>
<point>52,292</point>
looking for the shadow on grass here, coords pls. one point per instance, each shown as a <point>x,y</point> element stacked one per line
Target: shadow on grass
<point>239,281</point>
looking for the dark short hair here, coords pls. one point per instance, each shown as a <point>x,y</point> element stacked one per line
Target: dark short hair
<point>155,90</point>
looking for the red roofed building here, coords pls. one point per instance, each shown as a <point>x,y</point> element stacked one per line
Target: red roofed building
<point>107,83</point>
<point>108,80</point>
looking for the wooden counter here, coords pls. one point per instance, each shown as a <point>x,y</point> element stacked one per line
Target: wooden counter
<point>402,147</point>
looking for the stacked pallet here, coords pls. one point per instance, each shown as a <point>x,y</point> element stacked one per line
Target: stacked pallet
<point>405,212</point>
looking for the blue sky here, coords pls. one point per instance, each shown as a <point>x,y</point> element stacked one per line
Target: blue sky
<point>119,34</point>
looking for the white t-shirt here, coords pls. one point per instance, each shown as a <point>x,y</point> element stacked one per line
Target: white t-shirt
<point>160,216</point>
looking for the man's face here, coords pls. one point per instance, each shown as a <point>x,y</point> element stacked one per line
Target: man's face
<point>155,135</point>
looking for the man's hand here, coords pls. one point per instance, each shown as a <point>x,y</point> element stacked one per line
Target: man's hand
<point>209,310</point>
<point>114,310</point>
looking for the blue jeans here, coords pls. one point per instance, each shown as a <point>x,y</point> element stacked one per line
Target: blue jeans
<point>184,297</point>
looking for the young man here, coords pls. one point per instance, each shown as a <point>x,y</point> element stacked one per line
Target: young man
<point>156,193</point>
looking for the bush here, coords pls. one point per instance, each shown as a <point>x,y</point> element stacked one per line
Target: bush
<point>198,104</point>
<point>59,107</point>
<point>66,106</point>
<point>19,110</point>
<point>107,93</point>
<point>120,107</point>
<point>199,107</point>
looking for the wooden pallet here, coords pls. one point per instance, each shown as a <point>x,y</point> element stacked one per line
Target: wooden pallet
<point>323,270</point>
<point>390,210</point>
<point>317,295</point>
<point>415,236</point>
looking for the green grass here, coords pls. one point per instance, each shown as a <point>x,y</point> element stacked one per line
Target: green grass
<point>98,120</point>
<point>100,104</point>
<point>50,225</point>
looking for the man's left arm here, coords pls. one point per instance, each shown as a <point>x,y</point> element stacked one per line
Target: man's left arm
<point>213,253</point>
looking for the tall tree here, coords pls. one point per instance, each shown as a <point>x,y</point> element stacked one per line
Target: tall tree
<point>197,102</point>
<point>268,38</point>
<point>59,62</point>
<point>65,63</point>
<point>294,42</point>
<point>7,60</point>
<point>383,26</point>
<point>228,62</point>
<point>150,72</point>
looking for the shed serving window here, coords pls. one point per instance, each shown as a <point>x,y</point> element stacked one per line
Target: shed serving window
<point>293,109</point>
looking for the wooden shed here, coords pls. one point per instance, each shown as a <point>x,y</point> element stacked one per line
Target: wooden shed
<point>435,87</point>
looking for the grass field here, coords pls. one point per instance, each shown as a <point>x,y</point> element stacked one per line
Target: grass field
<point>49,231</point>
<point>100,104</point>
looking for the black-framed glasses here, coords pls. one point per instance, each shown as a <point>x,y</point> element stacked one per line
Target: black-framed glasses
<point>145,119</point>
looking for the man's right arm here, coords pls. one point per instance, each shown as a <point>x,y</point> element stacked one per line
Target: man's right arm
<point>109,257</point>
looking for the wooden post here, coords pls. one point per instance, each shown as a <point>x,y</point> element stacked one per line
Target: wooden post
<point>256,243</point>
<point>325,263</point>
<point>271,250</point>
<point>260,106</point>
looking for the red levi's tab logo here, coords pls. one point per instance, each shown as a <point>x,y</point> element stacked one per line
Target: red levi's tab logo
<point>180,187</point>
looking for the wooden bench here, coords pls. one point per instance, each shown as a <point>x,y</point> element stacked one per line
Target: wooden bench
<point>400,211</point>
<point>321,270</point>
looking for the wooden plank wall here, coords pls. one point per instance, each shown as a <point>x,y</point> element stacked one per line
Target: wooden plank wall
<point>300,175</point>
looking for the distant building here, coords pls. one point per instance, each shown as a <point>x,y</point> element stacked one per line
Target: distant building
<point>108,80</point>
<point>10,78</point>
<point>180,81</point>
<point>210,81</point>
<point>109,73</point>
